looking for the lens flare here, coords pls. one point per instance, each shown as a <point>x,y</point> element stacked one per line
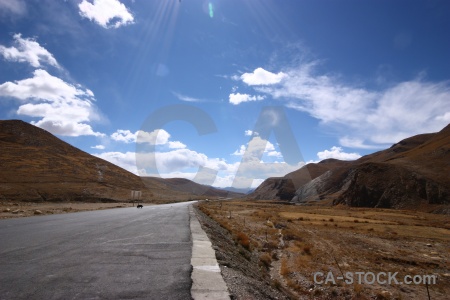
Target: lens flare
<point>211,10</point>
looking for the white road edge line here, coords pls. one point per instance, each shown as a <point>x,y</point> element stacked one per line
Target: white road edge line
<point>207,281</point>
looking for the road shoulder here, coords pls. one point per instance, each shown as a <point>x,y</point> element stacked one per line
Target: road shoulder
<point>207,281</point>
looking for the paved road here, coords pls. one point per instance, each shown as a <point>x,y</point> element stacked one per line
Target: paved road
<point>124,253</point>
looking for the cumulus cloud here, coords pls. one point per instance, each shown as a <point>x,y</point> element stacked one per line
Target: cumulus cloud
<point>125,136</point>
<point>185,162</point>
<point>190,164</point>
<point>262,77</point>
<point>239,98</point>
<point>337,153</point>
<point>156,137</point>
<point>28,50</point>
<point>125,160</point>
<point>63,108</point>
<point>363,117</point>
<point>258,148</point>
<point>248,133</point>
<point>98,147</point>
<point>106,13</point>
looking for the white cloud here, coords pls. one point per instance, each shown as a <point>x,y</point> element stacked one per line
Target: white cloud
<point>16,7</point>
<point>99,147</point>
<point>337,153</point>
<point>365,118</point>
<point>258,147</point>
<point>240,151</point>
<point>186,98</point>
<point>106,13</point>
<point>248,133</point>
<point>184,163</point>
<point>125,136</point>
<point>63,108</point>
<point>125,160</point>
<point>358,143</point>
<point>239,98</point>
<point>176,145</point>
<point>28,50</point>
<point>156,137</point>
<point>445,117</point>
<point>262,77</point>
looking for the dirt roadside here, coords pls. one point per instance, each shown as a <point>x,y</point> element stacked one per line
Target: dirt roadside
<point>26,209</point>
<point>283,246</point>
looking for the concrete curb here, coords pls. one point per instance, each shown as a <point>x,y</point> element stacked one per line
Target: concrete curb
<point>207,281</point>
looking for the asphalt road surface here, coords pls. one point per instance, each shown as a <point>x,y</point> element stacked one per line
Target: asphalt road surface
<point>126,253</point>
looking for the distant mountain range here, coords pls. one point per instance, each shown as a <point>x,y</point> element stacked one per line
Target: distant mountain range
<point>238,190</point>
<point>37,166</point>
<point>414,173</point>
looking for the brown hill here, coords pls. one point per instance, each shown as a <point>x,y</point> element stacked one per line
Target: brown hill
<point>188,188</point>
<point>37,166</point>
<point>410,174</point>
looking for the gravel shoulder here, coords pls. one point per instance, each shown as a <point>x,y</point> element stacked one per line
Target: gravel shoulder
<point>239,267</point>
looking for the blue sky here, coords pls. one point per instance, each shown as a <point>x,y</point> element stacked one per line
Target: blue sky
<point>331,79</point>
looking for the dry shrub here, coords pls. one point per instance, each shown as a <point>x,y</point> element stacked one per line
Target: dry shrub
<point>291,235</point>
<point>270,245</point>
<point>284,269</point>
<point>275,255</point>
<point>265,260</point>
<point>226,225</point>
<point>243,239</point>
<point>358,288</point>
<point>307,249</point>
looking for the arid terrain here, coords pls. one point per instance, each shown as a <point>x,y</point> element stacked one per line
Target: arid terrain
<point>290,243</point>
<point>411,174</point>
<point>271,249</point>
<point>27,209</point>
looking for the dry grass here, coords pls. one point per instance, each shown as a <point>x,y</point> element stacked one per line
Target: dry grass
<point>243,239</point>
<point>309,239</point>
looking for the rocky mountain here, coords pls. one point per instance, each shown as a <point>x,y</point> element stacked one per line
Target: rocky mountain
<point>410,174</point>
<point>284,188</point>
<point>37,166</point>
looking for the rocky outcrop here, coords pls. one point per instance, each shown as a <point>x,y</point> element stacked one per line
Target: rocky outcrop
<point>390,186</point>
<point>285,188</point>
<point>410,174</point>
